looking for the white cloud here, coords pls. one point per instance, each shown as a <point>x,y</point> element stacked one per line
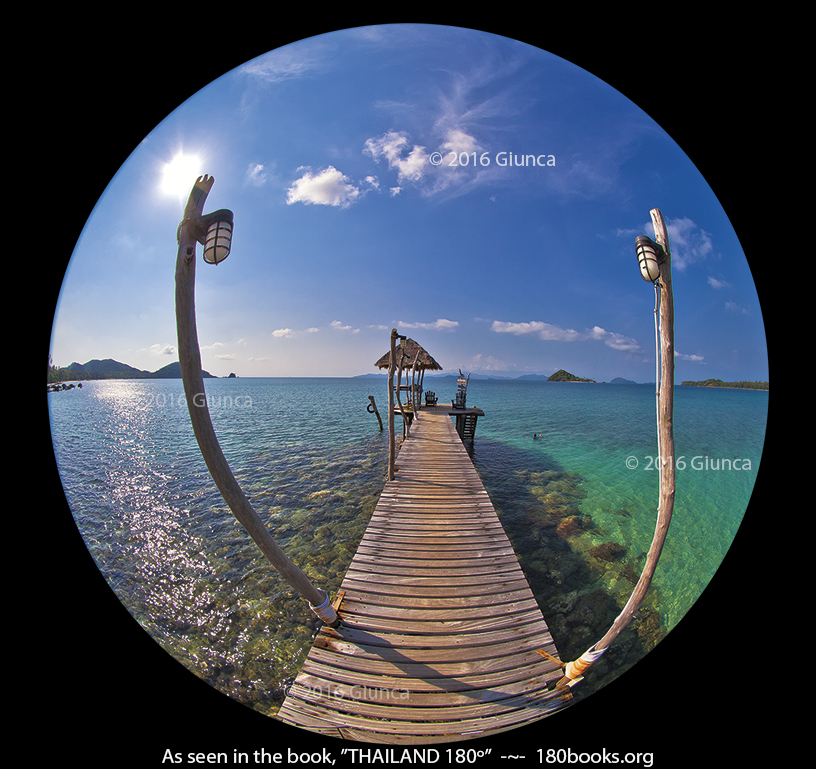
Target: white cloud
<point>287,63</point>
<point>336,324</point>
<point>256,174</point>
<point>696,358</point>
<point>614,340</point>
<point>714,283</point>
<point>409,161</point>
<point>227,356</point>
<point>688,242</point>
<point>549,332</point>
<point>327,188</point>
<point>413,163</point>
<point>440,323</point>
<point>545,330</point>
<point>734,307</point>
<point>162,349</point>
<point>458,141</point>
<point>622,232</point>
<point>290,333</point>
<point>489,363</point>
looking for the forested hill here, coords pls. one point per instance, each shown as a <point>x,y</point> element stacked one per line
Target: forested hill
<point>112,369</point>
<point>565,376</point>
<point>720,383</point>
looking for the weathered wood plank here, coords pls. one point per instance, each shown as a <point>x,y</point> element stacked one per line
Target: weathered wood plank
<point>440,589</point>
<point>521,629</point>
<point>432,609</point>
<point>431,628</point>
<point>406,579</point>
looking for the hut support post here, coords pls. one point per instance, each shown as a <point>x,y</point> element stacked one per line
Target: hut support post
<point>405,424</point>
<point>392,366</point>
<point>190,362</point>
<point>665,429</point>
<point>414,397</point>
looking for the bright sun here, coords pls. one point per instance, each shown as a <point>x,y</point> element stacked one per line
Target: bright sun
<point>180,174</point>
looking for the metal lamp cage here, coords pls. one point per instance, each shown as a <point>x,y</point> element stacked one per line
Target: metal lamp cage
<point>218,240</point>
<point>650,255</point>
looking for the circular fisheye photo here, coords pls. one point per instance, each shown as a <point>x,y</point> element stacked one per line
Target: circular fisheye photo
<point>407,385</point>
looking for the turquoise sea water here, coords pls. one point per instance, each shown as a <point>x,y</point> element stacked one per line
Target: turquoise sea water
<point>578,501</point>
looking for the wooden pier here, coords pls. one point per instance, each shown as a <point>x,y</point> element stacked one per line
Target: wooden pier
<point>442,638</point>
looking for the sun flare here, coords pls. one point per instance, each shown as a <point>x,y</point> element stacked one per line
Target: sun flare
<point>180,173</point>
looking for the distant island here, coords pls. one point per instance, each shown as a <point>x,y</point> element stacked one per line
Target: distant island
<point>565,376</point>
<point>733,385</point>
<point>558,376</point>
<point>112,369</point>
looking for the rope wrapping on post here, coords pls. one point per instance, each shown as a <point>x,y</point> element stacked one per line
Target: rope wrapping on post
<point>575,670</point>
<point>327,613</point>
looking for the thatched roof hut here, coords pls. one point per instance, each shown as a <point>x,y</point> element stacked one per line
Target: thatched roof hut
<point>412,351</point>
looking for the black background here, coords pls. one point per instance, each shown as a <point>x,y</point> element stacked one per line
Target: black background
<point>100,688</point>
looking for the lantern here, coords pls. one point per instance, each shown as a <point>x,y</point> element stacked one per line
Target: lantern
<point>218,240</point>
<point>650,256</point>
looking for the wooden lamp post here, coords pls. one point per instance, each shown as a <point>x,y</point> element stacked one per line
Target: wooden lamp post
<point>214,232</point>
<point>654,259</point>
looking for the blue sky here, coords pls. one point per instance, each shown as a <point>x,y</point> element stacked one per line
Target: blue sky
<point>346,225</point>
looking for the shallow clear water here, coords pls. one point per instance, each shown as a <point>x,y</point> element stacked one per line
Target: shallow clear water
<point>313,462</point>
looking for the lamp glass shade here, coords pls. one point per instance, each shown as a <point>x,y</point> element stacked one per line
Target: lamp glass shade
<point>648,254</point>
<point>218,242</point>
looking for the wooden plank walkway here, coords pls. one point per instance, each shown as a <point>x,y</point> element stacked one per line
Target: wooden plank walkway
<point>441,631</point>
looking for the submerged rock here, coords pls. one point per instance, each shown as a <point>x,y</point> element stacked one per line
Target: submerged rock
<point>608,551</point>
<point>574,524</point>
<point>630,574</point>
<point>648,627</point>
<point>563,604</point>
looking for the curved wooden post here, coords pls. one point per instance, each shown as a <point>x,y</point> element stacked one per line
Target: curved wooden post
<point>665,409</point>
<point>372,409</point>
<point>189,233</point>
